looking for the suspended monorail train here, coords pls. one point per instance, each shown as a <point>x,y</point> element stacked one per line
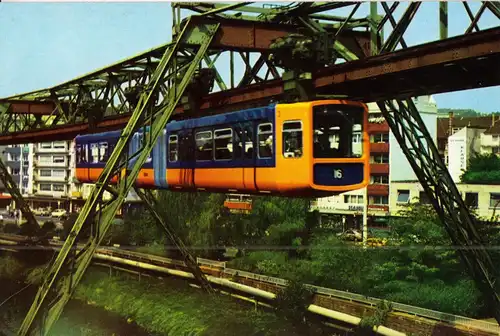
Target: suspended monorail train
<point>316,148</point>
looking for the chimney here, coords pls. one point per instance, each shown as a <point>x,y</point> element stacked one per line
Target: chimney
<point>450,123</point>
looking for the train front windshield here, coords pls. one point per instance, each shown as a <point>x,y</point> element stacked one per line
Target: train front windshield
<point>338,131</point>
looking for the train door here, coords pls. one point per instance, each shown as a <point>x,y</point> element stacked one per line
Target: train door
<point>187,157</point>
<point>249,158</point>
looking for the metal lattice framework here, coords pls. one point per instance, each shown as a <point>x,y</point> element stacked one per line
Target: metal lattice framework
<point>339,55</point>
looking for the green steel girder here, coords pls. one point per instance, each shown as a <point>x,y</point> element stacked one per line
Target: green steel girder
<point>416,142</point>
<point>110,83</point>
<point>64,274</point>
<point>143,72</point>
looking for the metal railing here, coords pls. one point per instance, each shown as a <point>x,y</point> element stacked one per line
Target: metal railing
<point>399,307</point>
<point>463,321</point>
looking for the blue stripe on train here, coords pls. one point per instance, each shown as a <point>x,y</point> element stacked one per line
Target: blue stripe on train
<point>159,161</point>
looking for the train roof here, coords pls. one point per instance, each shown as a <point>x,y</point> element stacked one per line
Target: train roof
<point>226,118</point>
<point>98,136</point>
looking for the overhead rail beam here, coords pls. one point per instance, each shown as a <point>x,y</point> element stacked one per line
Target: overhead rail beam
<point>408,72</point>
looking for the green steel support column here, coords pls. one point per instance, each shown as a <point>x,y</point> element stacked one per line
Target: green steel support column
<point>411,132</point>
<point>443,20</point>
<point>14,192</point>
<point>61,279</point>
<point>149,199</point>
<point>373,28</point>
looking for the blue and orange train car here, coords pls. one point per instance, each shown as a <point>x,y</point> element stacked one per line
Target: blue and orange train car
<point>315,148</point>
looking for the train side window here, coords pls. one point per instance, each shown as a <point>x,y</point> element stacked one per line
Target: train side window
<point>238,142</point>
<point>204,146</point>
<point>142,143</point>
<point>292,139</point>
<point>223,144</point>
<point>249,141</point>
<point>265,137</point>
<point>103,152</point>
<point>173,148</point>
<point>79,153</point>
<point>94,153</point>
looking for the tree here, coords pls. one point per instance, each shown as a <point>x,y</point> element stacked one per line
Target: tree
<point>482,169</point>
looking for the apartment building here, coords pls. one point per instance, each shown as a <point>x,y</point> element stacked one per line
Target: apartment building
<point>385,152</point>
<point>483,199</point>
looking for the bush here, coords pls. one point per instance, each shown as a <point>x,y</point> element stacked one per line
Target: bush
<point>461,298</point>
<point>11,228</point>
<point>48,226</point>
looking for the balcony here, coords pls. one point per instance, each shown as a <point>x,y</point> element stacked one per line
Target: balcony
<point>51,164</point>
<point>378,190</point>
<point>37,177</point>
<point>379,168</point>
<point>378,128</point>
<point>379,147</point>
<point>51,150</point>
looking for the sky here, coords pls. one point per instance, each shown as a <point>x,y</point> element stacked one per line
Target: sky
<point>44,44</point>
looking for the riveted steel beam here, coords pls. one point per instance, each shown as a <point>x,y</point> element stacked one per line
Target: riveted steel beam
<point>63,275</point>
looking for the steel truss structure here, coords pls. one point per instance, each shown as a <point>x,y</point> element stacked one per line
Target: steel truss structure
<point>337,55</point>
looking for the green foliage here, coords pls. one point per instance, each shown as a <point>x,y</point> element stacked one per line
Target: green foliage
<point>171,307</point>
<point>10,267</point>
<point>292,302</point>
<point>383,308</point>
<point>482,169</point>
<point>10,228</point>
<point>460,112</point>
<point>47,227</point>
<point>461,297</point>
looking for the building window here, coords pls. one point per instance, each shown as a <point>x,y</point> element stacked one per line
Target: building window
<point>471,200</point>
<point>292,139</point>
<point>59,173</point>
<point>495,138</point>
<point>494,200</point>
<point>379,200</point>
<point>15,171</point>
<point>403,196</point>
<point>46,145</point>
<point>45,159</point>
<point>45,173</point>
<point>59,145</point>
<point>379,179</point>
<point>58,187</point>
<point>45,187</point>
<point>353,199</point>
<point>380,138</point>
<point>25,185</point>
<point>58,159</point>
<point>379,158</point>
<point>223,141</point>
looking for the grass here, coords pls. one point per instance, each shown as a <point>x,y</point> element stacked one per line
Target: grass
<point>171,307</point>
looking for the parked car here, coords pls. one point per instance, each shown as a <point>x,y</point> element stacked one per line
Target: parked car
<point>58,213</point>
<point>42,212</point>
<point>350,234</point>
